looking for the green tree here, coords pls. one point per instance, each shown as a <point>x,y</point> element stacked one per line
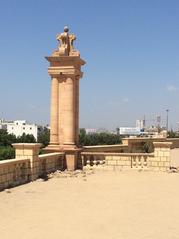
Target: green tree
<point>98,138</point>
<point>148,147</point>
<point>44,137</point>
<point>6,139</point>
<point>7,153</point>
<point>26,138</point>
<point>172,134</point>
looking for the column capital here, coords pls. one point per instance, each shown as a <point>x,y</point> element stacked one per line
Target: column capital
<point>61,72</point>
<point>63,60</point>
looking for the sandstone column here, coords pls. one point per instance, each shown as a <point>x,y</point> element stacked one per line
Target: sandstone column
<point>65,70</point>
<point>54,111</point>
<point>77,110</point>
<point>61,109</point>
<point>69,112</point>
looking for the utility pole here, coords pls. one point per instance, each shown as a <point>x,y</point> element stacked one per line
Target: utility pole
<point>144,121</point>
<point>167,120</point>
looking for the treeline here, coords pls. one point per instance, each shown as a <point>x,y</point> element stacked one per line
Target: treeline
<point>173,134</point>
<point>8,152</point>
<point>98,138</point>
<point>6,141</point>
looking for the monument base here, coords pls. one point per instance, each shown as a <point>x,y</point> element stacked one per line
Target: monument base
<point>72,154</point>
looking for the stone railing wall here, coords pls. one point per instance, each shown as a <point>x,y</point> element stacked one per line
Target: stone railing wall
<point>117,148</point>
<point>129,160</point>
<point>116,161</point>
<point>50,162</point>
<point>14,172</point>
<point>160,160</point>
<point>28,165</point>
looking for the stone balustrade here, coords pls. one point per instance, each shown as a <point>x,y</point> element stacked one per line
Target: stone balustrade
<point>29,165</point>
<point>160,160</point>
<point>92,160</point>
<point>116,160</point>
<point>140,161</point>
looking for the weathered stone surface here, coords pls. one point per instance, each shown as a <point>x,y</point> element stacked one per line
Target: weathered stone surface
<point>65,71</point>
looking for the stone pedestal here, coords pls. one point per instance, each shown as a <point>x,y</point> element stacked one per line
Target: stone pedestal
<point>162,156</point>
<point>71,159</point>
<point>29,151</point>
<point>71,162</point>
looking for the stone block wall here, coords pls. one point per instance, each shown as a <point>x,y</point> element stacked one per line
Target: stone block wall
<point>162,156</point>
<point>118,148</point>
<point>50,162</point>
<point>118,161</point>
<point>160,160</point>
<point>14,172</point>
<point>129,160</point>
<point>28,165</point>
<point>31,152</point>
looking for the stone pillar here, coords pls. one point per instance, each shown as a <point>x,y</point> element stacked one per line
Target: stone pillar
<point>29,151</point>
<point>162,156</point>
<point>69,113</point>
<point>65,70</point>
<point>72,158</point>
<point>77,110</point>
<point>61,109</point>
<point>54,111</point>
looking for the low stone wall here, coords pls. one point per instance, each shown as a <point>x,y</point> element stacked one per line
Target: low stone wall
<point>118,148</point>
<point>129,160</point>
<point>14,172</point>
<point>28,165</point>
<point>50,163</point>
<point>135,144</point>
<point>174,141</point>
<point>117,161</point>
<point>160,160</point>
<point>175,158</point>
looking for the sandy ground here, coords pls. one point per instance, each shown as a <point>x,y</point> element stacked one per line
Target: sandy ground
<point>107,205</point>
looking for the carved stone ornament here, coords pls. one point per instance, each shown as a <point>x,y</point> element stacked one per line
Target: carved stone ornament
<point>66,47</point>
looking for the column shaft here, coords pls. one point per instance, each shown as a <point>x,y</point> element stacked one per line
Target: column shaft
<point>69,112</point>
<point>61,110</point>
<point>77,110</point>
<point>54,111</point>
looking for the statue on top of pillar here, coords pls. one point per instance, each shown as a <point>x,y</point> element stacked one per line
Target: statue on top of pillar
<point>66,47</point>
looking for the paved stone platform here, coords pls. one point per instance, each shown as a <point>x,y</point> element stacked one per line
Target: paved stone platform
<point>129,205</point>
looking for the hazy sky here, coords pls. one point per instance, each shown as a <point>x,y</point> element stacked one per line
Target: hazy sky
<point>131,48</point>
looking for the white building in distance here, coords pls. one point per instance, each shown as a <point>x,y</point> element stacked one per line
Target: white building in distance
<point>129,131</point>
<point>91,131</point>
<point>140,124</point>
<point>18,127</point>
